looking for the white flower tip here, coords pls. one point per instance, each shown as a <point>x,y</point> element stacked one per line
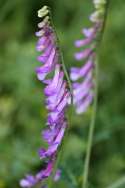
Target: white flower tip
<point>24,183</point>
<point>43,11</point>
<point>99,2</point>
<point>44,22</point>
<point>94,17</point>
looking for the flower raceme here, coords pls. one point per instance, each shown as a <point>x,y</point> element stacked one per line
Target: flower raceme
<point>56,92</point>
<point>57,96</point>
<point>83,90</point>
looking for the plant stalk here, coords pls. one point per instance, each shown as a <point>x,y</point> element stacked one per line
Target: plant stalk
<point>93,118</point>
<point>118,183</point>
<point>91,132</point>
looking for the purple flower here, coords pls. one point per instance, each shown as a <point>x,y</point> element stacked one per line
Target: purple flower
<point>57,175</point>
<point>56,98</point>
<point>77,73</point>
<point>30,180</point>
<point>83,54</point>
<point>83,77</point>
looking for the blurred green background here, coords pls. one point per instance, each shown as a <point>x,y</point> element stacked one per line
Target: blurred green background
<point>22,113</point>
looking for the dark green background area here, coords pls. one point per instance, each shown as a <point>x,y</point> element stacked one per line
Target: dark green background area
<point>22,108</point>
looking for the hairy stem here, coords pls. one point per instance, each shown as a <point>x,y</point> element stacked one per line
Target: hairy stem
<point>93,118</point>
<point>67,77</point>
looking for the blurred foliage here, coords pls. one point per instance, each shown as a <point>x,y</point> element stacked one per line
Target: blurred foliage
<point>22,113</point>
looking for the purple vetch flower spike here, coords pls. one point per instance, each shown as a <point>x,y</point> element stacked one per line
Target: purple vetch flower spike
<point>47,45</point>
<point>83,89</point>
<point>56,98</point>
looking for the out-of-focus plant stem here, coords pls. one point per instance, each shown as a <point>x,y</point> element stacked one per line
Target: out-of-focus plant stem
<point>91,131</point>
<point>93,118</point>
<point>118,183</point>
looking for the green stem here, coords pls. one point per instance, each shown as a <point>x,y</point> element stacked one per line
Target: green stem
<point>91,132</point>
<point>93,118</point>
<point>118,183</point>
<point>67,77</point>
